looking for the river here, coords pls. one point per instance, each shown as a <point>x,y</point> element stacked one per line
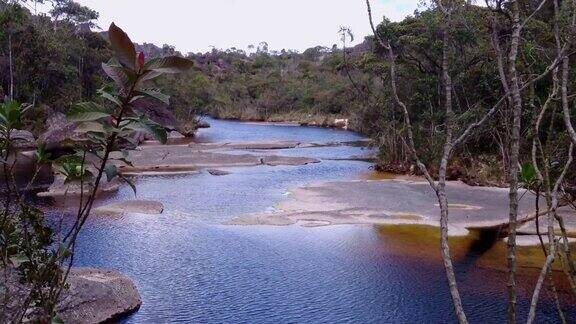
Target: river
<point>190,268</point>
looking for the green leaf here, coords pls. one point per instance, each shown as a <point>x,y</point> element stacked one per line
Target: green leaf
<point>86,116</point>
<point>111,171</point>
<point>149,75</point>
<point>171,64</point>
<point>87,111</point>
<point>110,97</point>
<point>156,94</point>
<point>125,161</point>
<point>121,76</point>
<point>63,252</point>
<point>41,154</point>
<point>150,127</point>
<point>144,124</point>
<point>57,320</point>
<point>18,259</point>
<point>91,126</point>
<point>123,46</point>
<point>528,173</point>
<point>129,182</point>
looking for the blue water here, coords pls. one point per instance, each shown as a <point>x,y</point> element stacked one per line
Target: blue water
<point>190,268</point>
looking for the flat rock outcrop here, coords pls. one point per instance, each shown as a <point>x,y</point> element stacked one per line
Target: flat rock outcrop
<point>269,145</point>
<point>173,159</point>
<point>132,206</point>
<point>398,202</point>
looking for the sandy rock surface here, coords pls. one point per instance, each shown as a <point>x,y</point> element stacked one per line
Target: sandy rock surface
<point>132,206</point>
<point>394,202</point>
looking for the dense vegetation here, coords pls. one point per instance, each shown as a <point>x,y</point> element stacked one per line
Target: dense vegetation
<point>56,62</point>
<point>455,91</point>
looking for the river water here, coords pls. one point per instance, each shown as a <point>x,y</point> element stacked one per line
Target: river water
<point>190,268</point>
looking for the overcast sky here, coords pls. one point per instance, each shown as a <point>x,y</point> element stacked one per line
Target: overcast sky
<point>196,25</point>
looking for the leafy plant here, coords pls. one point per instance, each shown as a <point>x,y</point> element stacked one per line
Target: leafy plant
<point>32,247</point>
<point>528,175</point>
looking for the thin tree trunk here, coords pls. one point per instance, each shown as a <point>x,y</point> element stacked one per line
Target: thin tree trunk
<point>441,188</point>
<point>553,206</point>
<point>514,160</point>
<point>11,66</point>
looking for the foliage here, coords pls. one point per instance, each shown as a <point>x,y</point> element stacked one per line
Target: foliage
<point>42,256</point>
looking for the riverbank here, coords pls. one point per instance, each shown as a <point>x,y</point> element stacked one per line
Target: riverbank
<point>296,119</point>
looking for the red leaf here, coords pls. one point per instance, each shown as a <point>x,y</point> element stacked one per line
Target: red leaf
<point>141,60</point>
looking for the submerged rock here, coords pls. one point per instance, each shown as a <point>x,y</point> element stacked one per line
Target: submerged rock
<point>268,145</point>
<point>132,206</point>
<point>287,160</point>
<point>175,159</point>
<point>215,172</point>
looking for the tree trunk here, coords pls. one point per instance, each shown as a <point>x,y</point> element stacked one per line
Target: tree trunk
<point>514,160</point>
<point>11,67</point>
<point>441,188</point>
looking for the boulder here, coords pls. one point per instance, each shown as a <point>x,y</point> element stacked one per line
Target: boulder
<point>23,139</point>
<point>93,296</point>
<point>97,296</point>
<point>60,189</point>
<point>341,123</point>
<point>59,131</point>
<point>132,206</point>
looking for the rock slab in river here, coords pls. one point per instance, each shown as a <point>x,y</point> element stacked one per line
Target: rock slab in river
<point>132,206</point>
<point>97,295</point>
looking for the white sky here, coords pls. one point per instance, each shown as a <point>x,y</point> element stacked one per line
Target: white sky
<point>196,25</point>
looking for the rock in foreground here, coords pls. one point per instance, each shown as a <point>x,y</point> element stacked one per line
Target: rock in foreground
<point>93,296</point>
<point>97,296</point>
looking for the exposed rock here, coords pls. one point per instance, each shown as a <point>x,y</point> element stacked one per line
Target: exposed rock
<point>341,123</point>
<point>398,202</point>
<point>533,240</point>
<point>23,167</point>
<point>59,189</point>
<point>286,160</point>
<point>59,131</point>
<point>132,206</point>
<point>202,124</point>
<point>271,145</point>
<point>23,139</point>
<point>215,172</point>
<point>171,159</point>
<point>162,169</point>
<point>93,296</point>
<point>98,295</point>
